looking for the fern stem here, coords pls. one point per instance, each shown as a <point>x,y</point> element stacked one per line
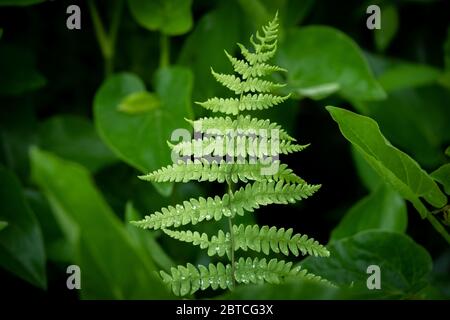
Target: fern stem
<point>106,40</point>
<point>232,240</point>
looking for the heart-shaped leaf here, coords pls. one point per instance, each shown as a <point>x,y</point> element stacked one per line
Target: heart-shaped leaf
<point>442,175</point>
<point>218,28</point>
<point>171,17</point>
<point>318,56</point>
<point>141,139</point>
<point>404,266</point>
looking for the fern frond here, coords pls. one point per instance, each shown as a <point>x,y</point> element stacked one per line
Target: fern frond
<point>253,237</point>
<point>249,85</point>
<point>265,239</point>
<point>204,170</point>
<point>255,58</point>
<point>239,146</point>
<point>247,198</point>
<point>246,102</point>
<point>188,280</point>
<point>251,71</point>
<point>241,124</point>
<point>251,150</point>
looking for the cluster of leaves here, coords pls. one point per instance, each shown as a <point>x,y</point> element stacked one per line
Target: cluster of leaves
<point>67,168</point>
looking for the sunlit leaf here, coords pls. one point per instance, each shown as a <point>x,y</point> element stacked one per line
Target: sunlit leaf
<point>139,102</point>
<point>393,165</point>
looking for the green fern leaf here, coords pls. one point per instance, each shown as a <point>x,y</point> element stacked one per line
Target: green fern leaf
<point>204,170</point>
<point>247,198</point>
<point>255,58</point>
<point>242,124</point>
<point>251,71</point>
<point>246,102</point>
<point>242,86</point>
<point>253,237</point>
<point>240,146</point>
<point>188,280</point>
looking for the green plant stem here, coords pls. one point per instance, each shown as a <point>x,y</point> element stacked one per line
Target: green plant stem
<point>164,57</point>
<point>434,222</point>
<point>438,226</point>
<point>106,41</point>
<point>232,248</point>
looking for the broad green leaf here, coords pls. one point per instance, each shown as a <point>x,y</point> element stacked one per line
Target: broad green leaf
<point>145,240</point>
<point>57,246</point>
<point>74,138</point>
<point>383,209</point>
<point>18,71</point>
<point>112,266</point>
<point>318,55</point>
<point>19,2</point>
<point>21,244</point>
<point>290,12</point>
<point>257,11</point>
<point>408,75</point>
<point>370,179</point>
<point>442,175</point>
<point>394,74</point>
<point>3,225</point>
<point>394,166</point>
<point>216,31</point>
<point>291,289</point>
<point>447,151</point>
<point>404,265</point>
<point>415,120</point>
<point>141,139</point>
<point>139,102</point>
<point>389,27</point>
<point>171,17</point>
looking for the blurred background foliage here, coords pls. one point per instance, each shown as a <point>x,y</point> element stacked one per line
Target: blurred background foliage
<point>83,112</point>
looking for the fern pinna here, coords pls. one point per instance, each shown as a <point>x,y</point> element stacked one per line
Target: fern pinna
<point>237,150</point>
